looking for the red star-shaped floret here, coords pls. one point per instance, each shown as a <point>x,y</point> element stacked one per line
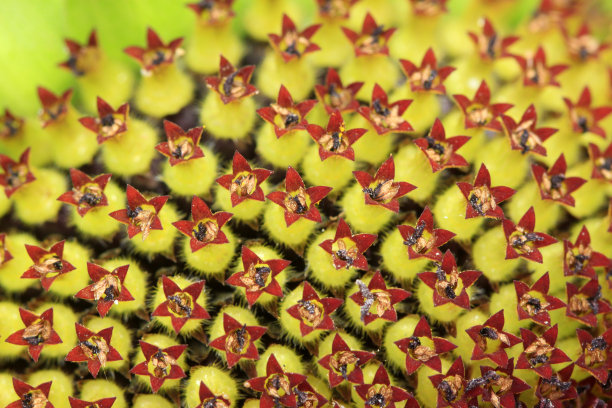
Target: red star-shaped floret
<point>489,43</point>
<point>381,189</point>
<point>421,348</point>
<point>244,183</point>
<point>535,70</point>
<point>54,107</point>
<point>346,249</point>
<point>373,38</point>
<point>107,288</point>
<point>480,112</point>
<point>534,302</point>
<point>596,357</point>
<point>585,303</point>
<point>441,151</point>
<point>16,174</point>
<point>48,264</point>
<point>427,77</point>
<point>335,96</point>
<point>181,304</point>
<point>208,399</point>
<point>344,364</point>
<point>554,185</point>
<point>452,387</point>
<point>335,140</point>
<point>205,229</point>
<point>557,388</point>
<point>584,117</point>
<point>521,239</point>
<point>286,115</point>
<point>583,45</point>
<point>524,136</point>
<point>38,332</point>
<point>232,84</point>
<point>86,193</point>
<point>101,403</point>
<point>499,386</point>
<point>110,122</point>
<point>423,240</point>
<point>5,255</point>
<point>258,276</point>
<point>313,312</point>
<point>579,259</point>
<point>482,199</point>
<point>156,54</point>
<point>277,386</point>
<point>141,215</point>
<point>82,58</point>
<point>160,364</point>
<point>292,43</point>
<point>307,396</point>
<point>95,348</point>
<point>10,125</point>
<point>29,396</point>
<point>490,341</point>
<point>447,280</point>
<point>602,162</point>
<point>238,342</point>
<point>386,117</point>
<point>380,393</point>
<point>213,11</point>
<point>540,352</point>
<point>181,146</point>
<point>376,301</point>
<point>297,200</point>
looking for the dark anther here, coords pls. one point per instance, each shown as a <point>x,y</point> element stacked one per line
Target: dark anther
<point>582,122</point>
<point>475,383</point>
<point>545,403</point>
<point>344,371</point>
<point>529,237</point>
<point>300,208</point>
<point>291,119</point>
<point>541,359</point>
<point>429,81</point>
<point>310,308</point>
<point>177,153</point>
<point>476,205</point>
<point>583,53</point>
<point>229,83</point>
<point>90,199</point>
<point>92,347</point>
<point>200,234</point>
<point>536,77</point>
<point>336,141</point>
<point>440,274</point>
<point>377,399</point>
<point>491,46</point>
<point>556,180</point>
<point>109,294</point>
<point>108,120</point>
<point>523,142</point>
<point>26,401</point>
<point>261,273</point>
<point>276,382</point>
<point>598,343</point>
<point>450,292</point>
<point>433,144</point>
<point>447,390</point>
<point>342,254</point>
<point>379,109</point>
<point>133,213</point>
<point>302,397</point>
<point>206,4</point>
<point>488,333</point>
<point>181,304</point>
<point>34,340</point>
<point>594,301</point>
<point>555,382</point>
<point>607,164</point>
<point>211,403</point>
<point>377,33</point>
<point>159,57</point>
<point>11,126</point>
<point>418,233</point>
<point>291,49</point>
<point>414,342</point>
<point>241,337</point>
<point>373,193</point>
<point>58,266</point>
<point>579,261</point>
<point>72,64</point>
<point>332,91</point>
<point>535,303</point>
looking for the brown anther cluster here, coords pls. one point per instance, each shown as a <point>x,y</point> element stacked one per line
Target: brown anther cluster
<point>310,312</point>
<point>37,333</point>
<point>383,191</point>
<point>422,243</point>
<point>237,341</point>
<point>479,115</point>
<point>447,283</point>
<point>451,387</point>
<point>233,86</point>
<point>306,399</point>
<point>339,98</point>
<point>111,125</point>
<point>371,44</point>
<point>379,396</point>
<point>256,277</point>
<point>490,333</point>
<point>278,386</point>
<point>422,353</point>
<point>296,203</point>
<point>481,200</point>
<point>380,300</point>
<point>181,304</point>
<point>181,150</point>
<point>595,353</point>
<point>578,257</point>
<point>95,347</point>
<point>346,254</point>
<point>107,288</point>
<point>50,266</point>
<point>207,231</point>
<point>553,388</point>
<point>341,360</point>
<point>583,47</point>
<point>532,305</point>
<point>17,175</point>
<point>579,305</point>
<point>554,185</point>
<point>214,403</point>
<point>142,219</point>
<point>295,44</point>
<point>9,125</point>
<point>437,152</point>
<point>288,117</point>
<point>385,117</point>
<point>604,164</point>
<point>523,241</point>
<point>334,142</point>
<point>160,364</point>
<point>537,349</point>
<point>524,137</point>
<point>88,195</point>
<point>334,8</point>
<point>34,399</point>
<point>244,185</point>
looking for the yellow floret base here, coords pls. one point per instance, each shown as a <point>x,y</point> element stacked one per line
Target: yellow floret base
<point>396,331</point>
<point>96,222</point>
<point>449,210</point>
<point>233,120</point>
<point>218,381</point>
<point>207,42</point>
<point>66,285</point>
<point>93,390</point>
<point>288,359</point>
<point>61,389</point>
<point>321,267</point>
<point>282,152</point>
<point>295,235</point>
<point>366,218</point>
<point>36,202</point>
<point>297,75</point>
<point>159,241</point>
<point>63,323</point>
<point>131,152</point>
<point>396,260</point>
<point>11,271</point>
<point>193,177</point>
<point>213,260</point>
<point>121,339</point>
<point>335,172</point>
<point>162,342</point>
<point>489,256</point>
<point>165,92</point>
<point>135,282</point>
